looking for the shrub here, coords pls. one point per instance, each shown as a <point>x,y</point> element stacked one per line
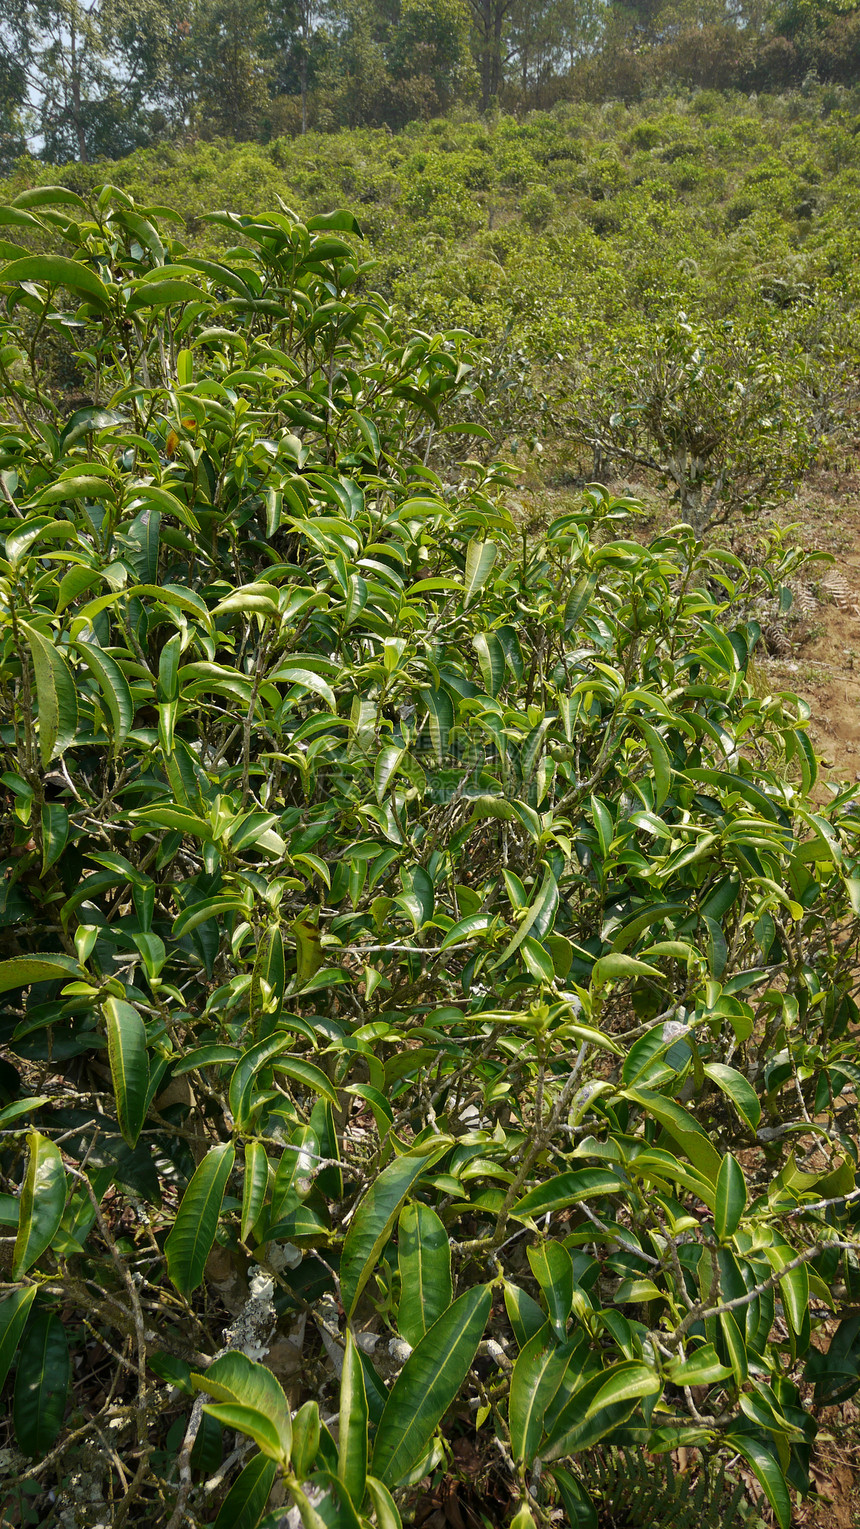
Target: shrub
<point>538,208</point>
<point>422,968</point>
<point>723,427</point>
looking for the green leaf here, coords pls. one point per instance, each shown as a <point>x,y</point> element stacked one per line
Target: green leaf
<point>538,919</point>
<point>374,1218</point>
<point>537,1375</point>
<point>160,294</point>
<point>245,1503</point>
<point>476,923</point>
<point>80,485</point>
<point>193,1232</point>
<point>702,1368</point>
<point>537,961</point>
<point>235,1379</point>
<point>129,1066</point>
<point>173,1369</point>
<point>113,686</point>
<point>618,967</point>
<point>579,599</point>
<point>737,1088</point>
<point>552,1268</point>
<point>385,769</point>
<point>146,497</point>
<point>491,659</point>
<point>15,218</point>
<point>55,693</point>
<point>58,271</point>
<point>22,971</point>
<point>295,1172</point>
<point>441,717</point>
<point>200,913</point>
<point>43,1200</point>
<point>768,1472</point>
<point>14,1311</point>
<point>356,598</point>
<point>731,1197</point>
<point>793,1284</point>
<point>624,1382</point>
<point>524,1314</point>
<point>254,1185</point>
<point>480,557</point>
<point>836,1373</point>
<point>735,1347</point>
<point>352,1432</point>
<point>255,1425</point>
<point>341,220</point>
<point>384,1506</point>
<point>48,196</point>
<point>241,1091</point>
<point>654,914</point>
<point>41,1383</point>
<point>309,951</point>
<point>13,1112</point>
<point>566,1189</point>
<point>661,764</point>
<point>295,674</point>
<point>577,1503</point>
<point>424,1258</point>
<point>682,1127</point>
<point>308,1075</point>
<point>204,1056</point>
<point>55,833</point>
<point>307,1433</point>
<point>86,422</point>
<point>428,1384</point>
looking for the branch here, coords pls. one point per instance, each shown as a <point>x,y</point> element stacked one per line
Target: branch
<point>702,1311</point>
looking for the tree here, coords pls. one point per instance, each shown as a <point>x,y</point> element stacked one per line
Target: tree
<point>227,46</point>
<point>289,46</point>
<point>490,19</point>
<point>355,75</point>
<point>532,40</point>
<point>88,75</point>
<point>430,39</point>
<point>13,87</point>
<point>150,39</point>
<point>390,906</point>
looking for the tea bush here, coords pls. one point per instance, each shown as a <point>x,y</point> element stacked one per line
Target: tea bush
<point>659,208</point>
<point>427,970</point>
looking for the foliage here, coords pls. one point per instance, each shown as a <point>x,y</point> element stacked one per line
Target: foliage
<point>575,237</point>
<point>425,967</point>
<point>89,76</point>
<point>85,81</point>
<point>626,1487</point>
<point>705,411</point>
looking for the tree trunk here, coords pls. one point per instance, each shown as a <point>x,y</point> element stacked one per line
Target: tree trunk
<point>76,96</point>
<point>303,73</point>
<point>496,54</point>
<point>482,12</point>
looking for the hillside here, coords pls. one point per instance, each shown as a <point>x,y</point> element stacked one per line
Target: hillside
<point>704,198</point>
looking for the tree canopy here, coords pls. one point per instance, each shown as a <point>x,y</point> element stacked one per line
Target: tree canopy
<point>86,80</point>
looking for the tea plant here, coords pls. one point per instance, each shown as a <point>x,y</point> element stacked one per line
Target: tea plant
<point>428,971</point>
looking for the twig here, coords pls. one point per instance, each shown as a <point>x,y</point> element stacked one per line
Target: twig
<point>191,1432</point>
<point>701,1311</point>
